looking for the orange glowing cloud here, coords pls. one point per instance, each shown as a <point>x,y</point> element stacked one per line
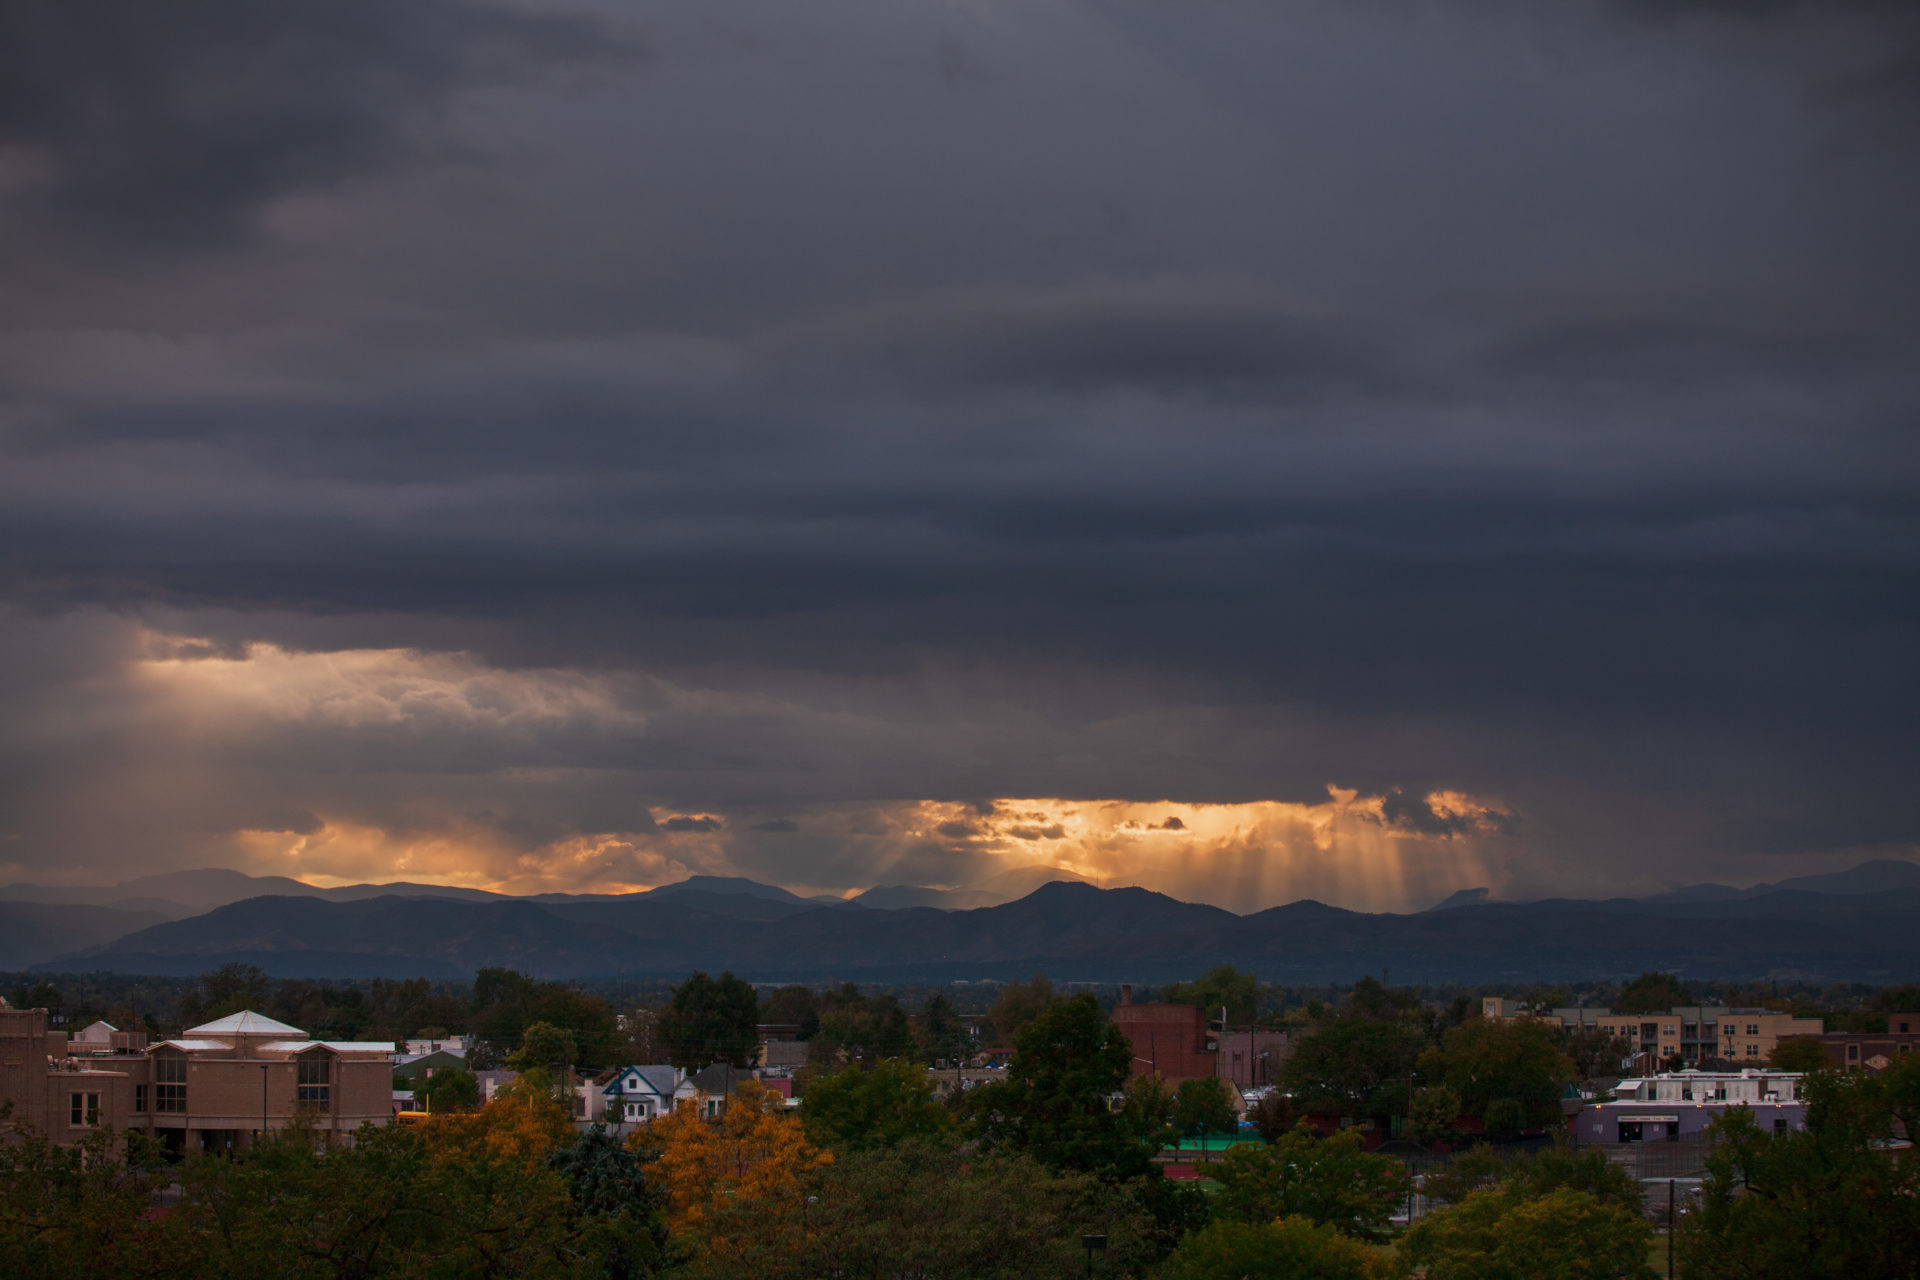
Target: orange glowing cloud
<point>437,767</point>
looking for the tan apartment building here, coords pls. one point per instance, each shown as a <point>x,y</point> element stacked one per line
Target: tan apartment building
<point>213,1089</point>
<point>1746,1037</point>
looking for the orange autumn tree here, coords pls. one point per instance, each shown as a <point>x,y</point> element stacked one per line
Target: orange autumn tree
<point>521,1127</point>
<point>734,1181</point>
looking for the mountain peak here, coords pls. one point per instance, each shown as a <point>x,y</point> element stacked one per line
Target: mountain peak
<point>727,884</point>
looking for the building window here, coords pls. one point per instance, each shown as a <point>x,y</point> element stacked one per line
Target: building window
<point>313,1085</point>
<point>1730,1029</point>
<point>1853,1051</point>
<point>84,1109</point>
<point>1903,1028</point>
<point>170,1083</point>
<point>1753,1051</point>
<point>1753,1028</point>
<point>140,1098</point>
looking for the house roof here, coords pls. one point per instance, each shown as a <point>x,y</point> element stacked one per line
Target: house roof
<point>245,1023</point>
<point>660,1078</point>
<point>194,1046</point>
<point>720,1078</point>
<point>88,1034</point>
<point>408,1062</point>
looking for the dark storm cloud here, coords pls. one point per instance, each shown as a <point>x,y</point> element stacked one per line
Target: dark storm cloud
<point>1421,816</point>
<point>174,124</point>
<point>1169,336</point>
<point>865,407</point>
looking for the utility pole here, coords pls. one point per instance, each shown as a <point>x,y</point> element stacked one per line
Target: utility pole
<point>1670,1226</point>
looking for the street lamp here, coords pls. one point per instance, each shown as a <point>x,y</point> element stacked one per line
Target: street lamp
<point>1090,1243</point>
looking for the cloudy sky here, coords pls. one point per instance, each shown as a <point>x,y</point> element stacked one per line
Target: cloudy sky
<point>1252,448</point>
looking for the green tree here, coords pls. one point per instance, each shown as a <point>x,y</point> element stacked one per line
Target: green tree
<point>1590,1172</point>
<point>1501,1235</point>
<point>230,989</point>
<point>711,1020</point>
<point>1826,1201</point>
<point>857,1027</point>
<point>1594,1052</point>
<point>1201,1106</point>
<point>1273,1116</point>
<point>617,1216</point>
<point>1054,1103</point>
<point>1221,987</point>
<point>793,1005</point>
<point>933,1210</point>
<point>506,1003</point>
<point>1329,1181</point>
<point>447,1089</point>
<point>1800,1053</point>
<point>1288,1249</point>
<point>1341,1065</point>
<point>882,1106</point>
<point>1517,1062</point>
<point>546,1050</point>
<point>72,1212</point>
<point>943,1037</point>
<point>1652,993</point>
<point>1149,1109</point>
<point>1432,1114</point>
<point>1017,1004</point>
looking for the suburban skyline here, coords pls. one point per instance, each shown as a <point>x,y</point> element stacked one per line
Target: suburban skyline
<point>571,446</point>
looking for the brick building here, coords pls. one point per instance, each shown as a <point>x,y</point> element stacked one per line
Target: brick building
<point>1873,1051</point>
<point>213,1089</point>
<point>1179,1043</point>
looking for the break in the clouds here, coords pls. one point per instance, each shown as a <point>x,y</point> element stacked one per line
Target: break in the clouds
<point>1338,450</point>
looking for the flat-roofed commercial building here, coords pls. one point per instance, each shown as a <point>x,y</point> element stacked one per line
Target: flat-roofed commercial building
<point>1679,1105</point>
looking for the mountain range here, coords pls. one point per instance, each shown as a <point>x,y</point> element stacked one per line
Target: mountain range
<point>1853,925</point>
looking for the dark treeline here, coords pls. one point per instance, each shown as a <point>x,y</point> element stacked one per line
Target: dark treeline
<point>618,1021</point>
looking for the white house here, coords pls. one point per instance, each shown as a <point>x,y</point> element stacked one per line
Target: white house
<point>636,1095</point>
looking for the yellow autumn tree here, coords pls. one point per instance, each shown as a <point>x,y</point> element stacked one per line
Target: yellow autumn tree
<point>733,1182</point>
<point>522,1126</point>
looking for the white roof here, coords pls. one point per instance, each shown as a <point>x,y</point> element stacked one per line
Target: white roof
<point>383,1047</point>
<point>88,1036</point>
<point>196,1046</point>
<point>245,1023</point>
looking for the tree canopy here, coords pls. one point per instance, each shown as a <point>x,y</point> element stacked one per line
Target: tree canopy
<point>1221,987</point>
<point>857,1109</point>
<point>1053,1105</point>
<point>1284,1249</point>
<point>1488,1063</point>
<point>1017,1004</point>
<point>1332,1182</point>
<point>1829,1200</point>
<point>711,1020</point>
<point>1652,993</point>
<point>1503,1234</point>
